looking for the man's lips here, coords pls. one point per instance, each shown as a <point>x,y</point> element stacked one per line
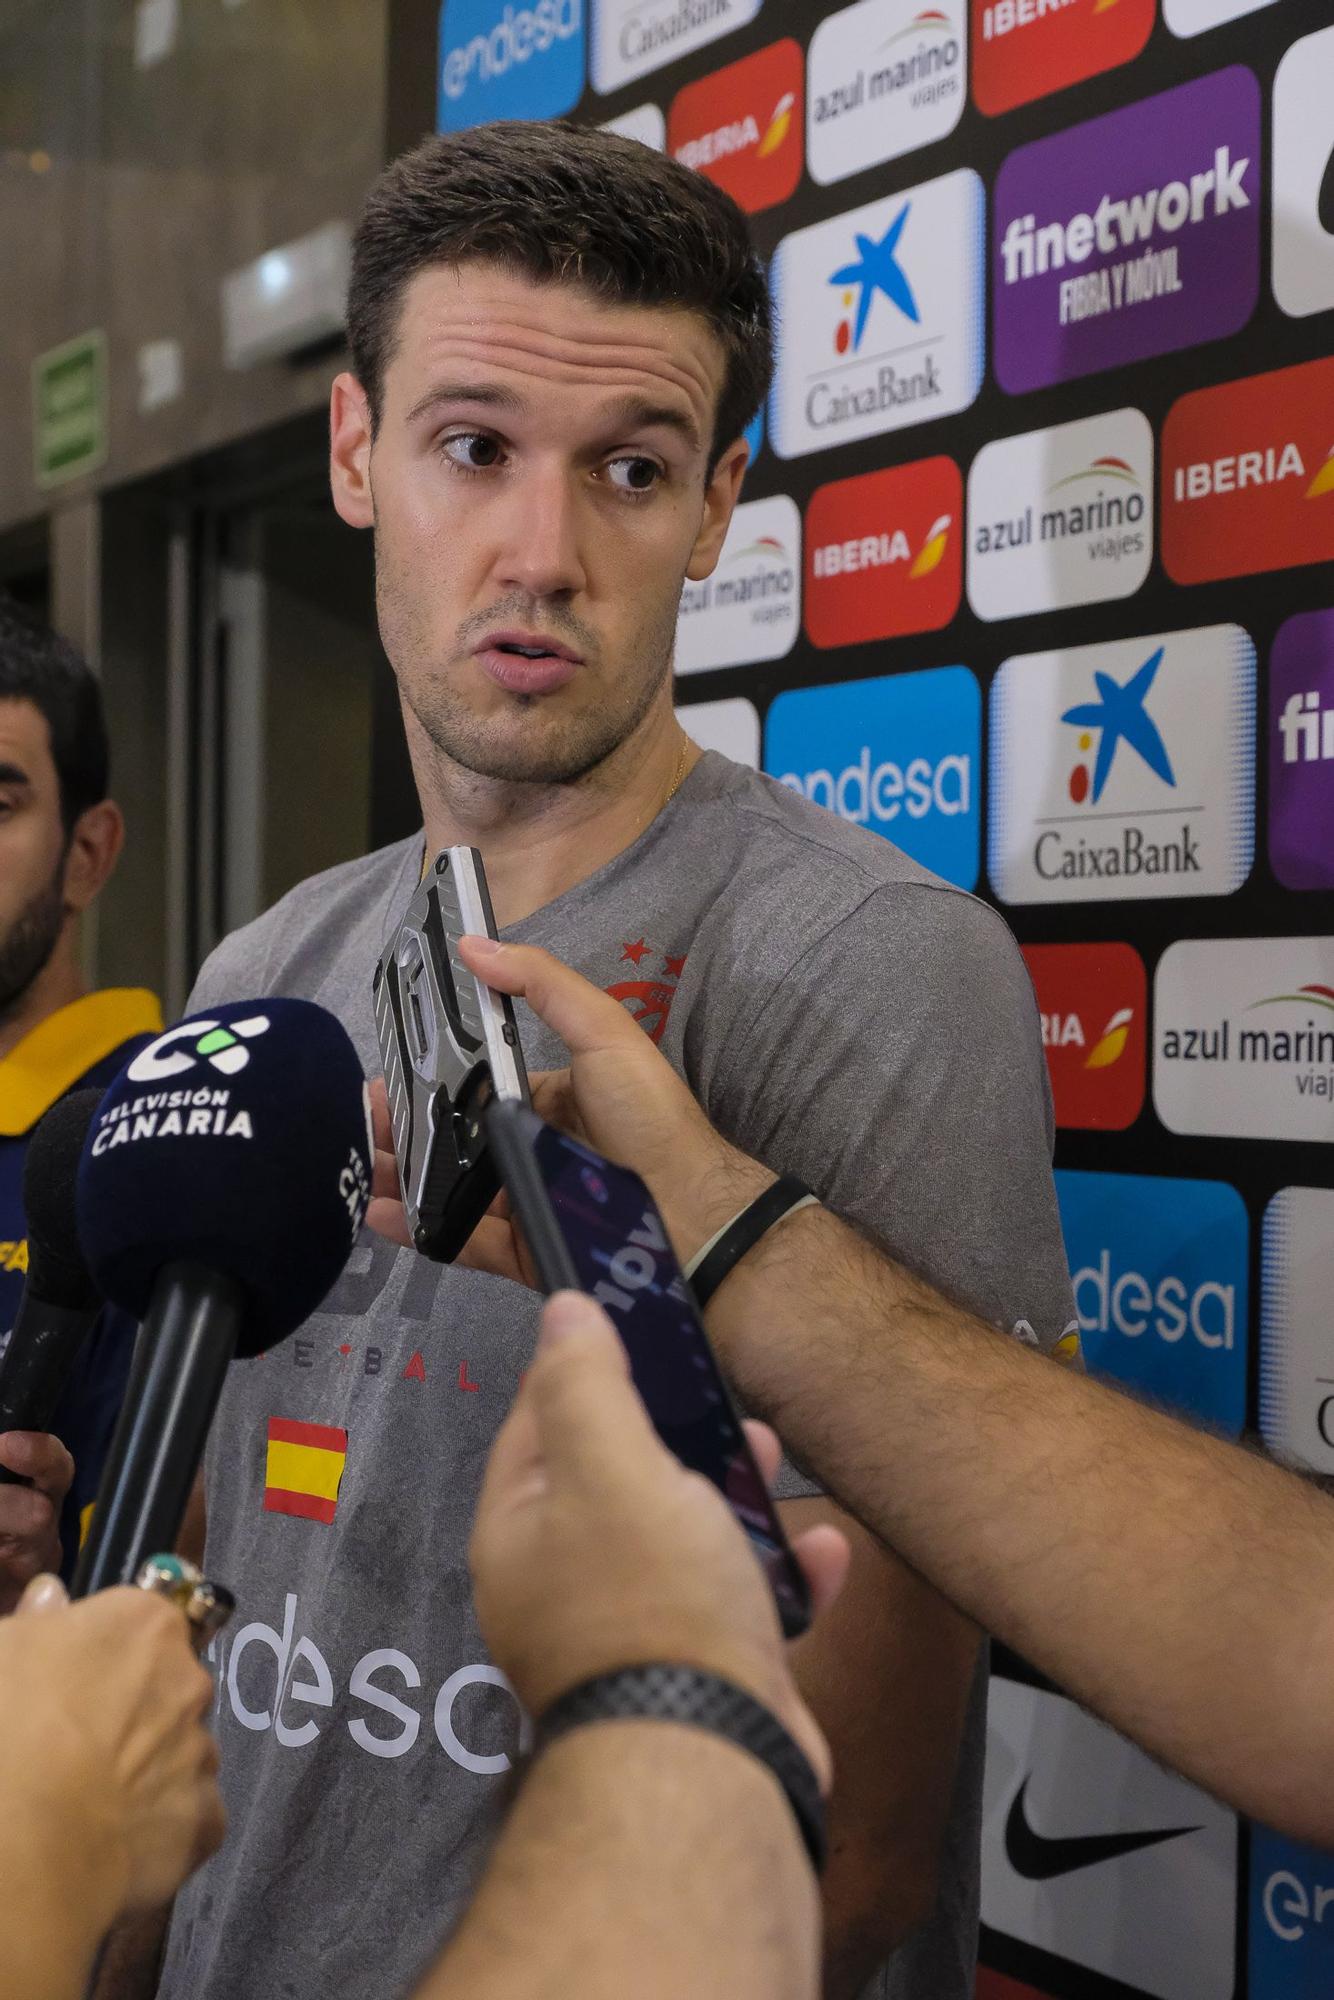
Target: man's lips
<point>527,662</point>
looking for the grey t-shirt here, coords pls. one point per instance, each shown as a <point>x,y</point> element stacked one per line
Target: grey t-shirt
<point>841,1015</point>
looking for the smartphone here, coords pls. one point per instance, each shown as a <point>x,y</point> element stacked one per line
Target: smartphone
<point>594,1227</point>
<point>449,1045</point>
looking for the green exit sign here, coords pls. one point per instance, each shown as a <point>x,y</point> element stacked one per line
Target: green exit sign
<point>69,408</point>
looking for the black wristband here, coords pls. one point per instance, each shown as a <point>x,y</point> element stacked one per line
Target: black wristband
<point>665,1693</point>
<point>743,1233</point>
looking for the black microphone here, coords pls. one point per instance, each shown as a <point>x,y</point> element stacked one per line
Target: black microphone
<point>60,1301</point>
<point>222,1187</point>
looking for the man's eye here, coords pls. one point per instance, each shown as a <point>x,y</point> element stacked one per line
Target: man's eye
<point>472,451</point>
<point>634,475</point>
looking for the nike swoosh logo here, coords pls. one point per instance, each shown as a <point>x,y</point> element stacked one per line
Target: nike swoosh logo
<point>1038,1859</point>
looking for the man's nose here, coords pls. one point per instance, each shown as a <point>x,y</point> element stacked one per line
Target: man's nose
<point>542,549</point>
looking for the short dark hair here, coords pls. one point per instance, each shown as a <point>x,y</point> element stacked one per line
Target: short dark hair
<point>37,665</point>
<point>564,204</point>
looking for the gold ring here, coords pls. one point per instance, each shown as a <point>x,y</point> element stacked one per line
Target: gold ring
<point>207,1606</point>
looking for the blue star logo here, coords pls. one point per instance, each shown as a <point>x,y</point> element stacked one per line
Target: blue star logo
<point>1120,716</point>
<point>877,269</point>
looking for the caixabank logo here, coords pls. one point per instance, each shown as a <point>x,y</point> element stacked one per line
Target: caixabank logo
<point>1292,1919</point>
<point>899,755</point>
<point>1133,235</point>
<point>632,37</point>
<point>1248,475</point>
<point>1092,1852</point>
<point>1093,1004</point>
<point>1061,516</point>
<point>1296,1353</point>
<point>750,608</point>
<point>1124,770</point>
<point>1024,49</point>
<point>1159,1274</point>
<point>742,126</point>
<point>884,553</point>
<point>1301,751</point>
<point>880,317</point>
<point>884,77</point>
<point>1244,1038</point>
<point>731,726</point>
<point>1303,176</point>
<point>502,60</point>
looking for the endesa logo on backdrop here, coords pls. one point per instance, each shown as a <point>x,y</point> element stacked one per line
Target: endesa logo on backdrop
<point>750,608</point>
<point>1301,752</point>
<point>1248,475</point>
<point>632,37</point>
<point>884,77</point>
<point>1094,1853</point>
<point>1093,1001</point>
<point>1303,176</point>
<point>1244,1038</point>
<point>742,126</point>
<point>899,755</point>
<point>1132,235</point>
<point>1124,770</point>
<point>884,553</point>
<point>1292,1919</point>
<point>1024,49</point>
<point>500,60</point>
<point>880,317</point>
<point>1159,1271</point>
<point>1296,1354</point>
<point>1062,516</point>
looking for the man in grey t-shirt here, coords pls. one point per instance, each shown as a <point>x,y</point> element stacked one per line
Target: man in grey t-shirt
<point>558,337</point>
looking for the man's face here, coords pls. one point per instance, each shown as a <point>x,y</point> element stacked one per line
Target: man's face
<point>32,850</point>
<point>539,491</point>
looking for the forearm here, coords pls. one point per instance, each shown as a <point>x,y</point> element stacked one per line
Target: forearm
<point>57,1903</point>
<point>644,1858</point>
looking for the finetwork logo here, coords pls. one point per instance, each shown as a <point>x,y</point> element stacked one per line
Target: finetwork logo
<point>750,608</point>
<point>884,553</point>
<point>1061,516</point>
<point>1248,475</point>
<point>1159,1271</point>
<point>1296,1360</point>
<point>1303,177</point>
<point>881,317</point>
<point>1301,751</point>
<point>1124,770</point>
<point>883,77</point>
<point>731,726</point>
<point>741,126</point>
<point>1292,1919</point>
<point>1093,1003</point>
<point>1133,235</point>
<point>1244,1038</point>
<point>1078,1823</point>
<point>632,37</point>
<point>1024,49</point>
<point>500,60</point>
<point>899,755</point>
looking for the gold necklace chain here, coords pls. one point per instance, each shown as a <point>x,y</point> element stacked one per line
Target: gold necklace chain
<point>675,785</point>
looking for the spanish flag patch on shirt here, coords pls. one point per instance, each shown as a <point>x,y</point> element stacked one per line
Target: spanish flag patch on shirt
<point>304,1469</point>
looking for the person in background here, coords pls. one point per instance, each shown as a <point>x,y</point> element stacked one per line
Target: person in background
<point>60,837</point>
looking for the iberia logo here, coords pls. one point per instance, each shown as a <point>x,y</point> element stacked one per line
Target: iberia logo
<point>1248,475</point>
<point>1092,999</point>
<point>884,555</point>
<point>303,1469</point>
<point>1022,50</point>
<point>648,999</point>
<point>742,126</point>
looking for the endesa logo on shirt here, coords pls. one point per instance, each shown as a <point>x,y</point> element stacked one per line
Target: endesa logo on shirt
<point>1301,751</point>
<point>899,755</point>
<point>884,553</point>
<point>885,76</point>
<point>1124,770</point>
<point>1292,1919</point>
<point>1296,1353</point>
<point>1303,177</point>
<point>1129,236</point>
<point>500,60</point>
<point>1094,1853</point>
<point>632,37</point>
<point>1159,1271</point>
<point>1024,49</point>
<point>1093,1001</point>
<point>742,126</point>
<point>1248,475</point>
<point>880,317</point>
<point>1244,1038</point>
<point>750,608</point>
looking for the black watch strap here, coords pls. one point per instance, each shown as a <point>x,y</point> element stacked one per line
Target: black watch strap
<point>667,1693</point>
<point>706,1271</point>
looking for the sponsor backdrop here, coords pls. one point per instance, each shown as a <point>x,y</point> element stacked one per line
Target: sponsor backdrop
<point>1034,575</point>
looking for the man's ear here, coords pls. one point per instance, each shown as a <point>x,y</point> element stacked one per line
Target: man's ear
<point>720,497</point>
<point>350,452</point>
<point>94,849</point>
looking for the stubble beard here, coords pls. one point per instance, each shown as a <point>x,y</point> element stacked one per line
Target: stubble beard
<point>26,947</point>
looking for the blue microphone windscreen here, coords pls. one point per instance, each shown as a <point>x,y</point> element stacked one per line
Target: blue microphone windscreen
<point>239,1140</point>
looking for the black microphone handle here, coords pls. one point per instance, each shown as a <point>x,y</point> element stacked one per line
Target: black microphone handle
<point>36,1367</point>
<point>184,1349</point>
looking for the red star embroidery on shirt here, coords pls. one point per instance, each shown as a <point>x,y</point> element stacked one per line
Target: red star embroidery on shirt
<point>674,967</point>
<point>634,952</point>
